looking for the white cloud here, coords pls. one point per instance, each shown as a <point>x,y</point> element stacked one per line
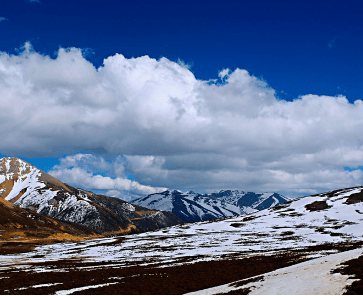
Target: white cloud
<point>3,19</point>
<point>174,130</point>
<point>92,163</point>
<point>27,47</point>
<point>85,171</point>
<point>224,73</point>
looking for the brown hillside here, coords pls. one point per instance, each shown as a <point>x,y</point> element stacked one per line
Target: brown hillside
<point>22,228</point>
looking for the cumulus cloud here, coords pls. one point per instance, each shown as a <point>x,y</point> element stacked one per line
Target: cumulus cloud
<point>174,130</point>
<point>94,173</point>
<point>224,73</point>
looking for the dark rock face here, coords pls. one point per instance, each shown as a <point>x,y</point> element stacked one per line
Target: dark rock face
<point>317,206</point>
<point>143,218</point>
<point>190,210</point>
<point>355,198</point>
<point>248,199</point>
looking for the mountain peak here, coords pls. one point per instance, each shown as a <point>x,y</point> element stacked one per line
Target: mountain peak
<point>13,168</point>
<point>13,160</point>
<point>226,192</point>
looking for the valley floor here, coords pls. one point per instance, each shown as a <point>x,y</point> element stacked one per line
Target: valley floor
<point>41,272</point>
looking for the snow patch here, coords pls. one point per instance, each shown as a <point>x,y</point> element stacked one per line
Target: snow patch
<point>71,291</point>
<point>307,278</point>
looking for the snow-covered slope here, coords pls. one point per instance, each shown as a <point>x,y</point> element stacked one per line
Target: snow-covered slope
<point>334,217</point>
<point>296,231</point>
<point>28,187</point>
<point>193,207</point>
<point>314,277</point>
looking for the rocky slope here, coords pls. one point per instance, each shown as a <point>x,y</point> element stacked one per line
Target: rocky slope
<point>23,225</point>
<point>193,207</point>
<point>28,187</point>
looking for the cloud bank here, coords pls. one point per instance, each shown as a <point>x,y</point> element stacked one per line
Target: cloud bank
<point>174,130</point>
<point>94,172</point>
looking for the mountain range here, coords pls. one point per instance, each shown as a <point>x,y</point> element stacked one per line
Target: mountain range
<point>57,239</point>
<point>26,189</point>
<point>32,195</point>
<point>309,245</point>
<point>194,207</point>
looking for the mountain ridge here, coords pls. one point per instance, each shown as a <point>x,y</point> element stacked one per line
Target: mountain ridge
<point>194,207</point>
<point>26,186</point>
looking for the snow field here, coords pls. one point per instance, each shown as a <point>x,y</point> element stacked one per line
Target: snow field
<point>273,229</point>
<point>312,277</point>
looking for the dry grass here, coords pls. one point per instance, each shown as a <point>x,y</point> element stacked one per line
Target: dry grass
<point>68,237</point>
<point>20,228</point>
<point>129,228</point>
<point>53,182</point>
<point>6,187</point>
<point>141,213</point>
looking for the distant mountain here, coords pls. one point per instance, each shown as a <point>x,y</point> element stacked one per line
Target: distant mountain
<point>194,207</point>
<point>29,188</point>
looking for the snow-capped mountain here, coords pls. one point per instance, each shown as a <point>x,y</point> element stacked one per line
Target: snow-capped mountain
<point>30,188</point>
<point>193,207</point>
<point>273,251</point>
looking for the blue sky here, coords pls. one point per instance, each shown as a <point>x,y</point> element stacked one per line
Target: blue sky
<point>289,48</point>
<point>298,47</point>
